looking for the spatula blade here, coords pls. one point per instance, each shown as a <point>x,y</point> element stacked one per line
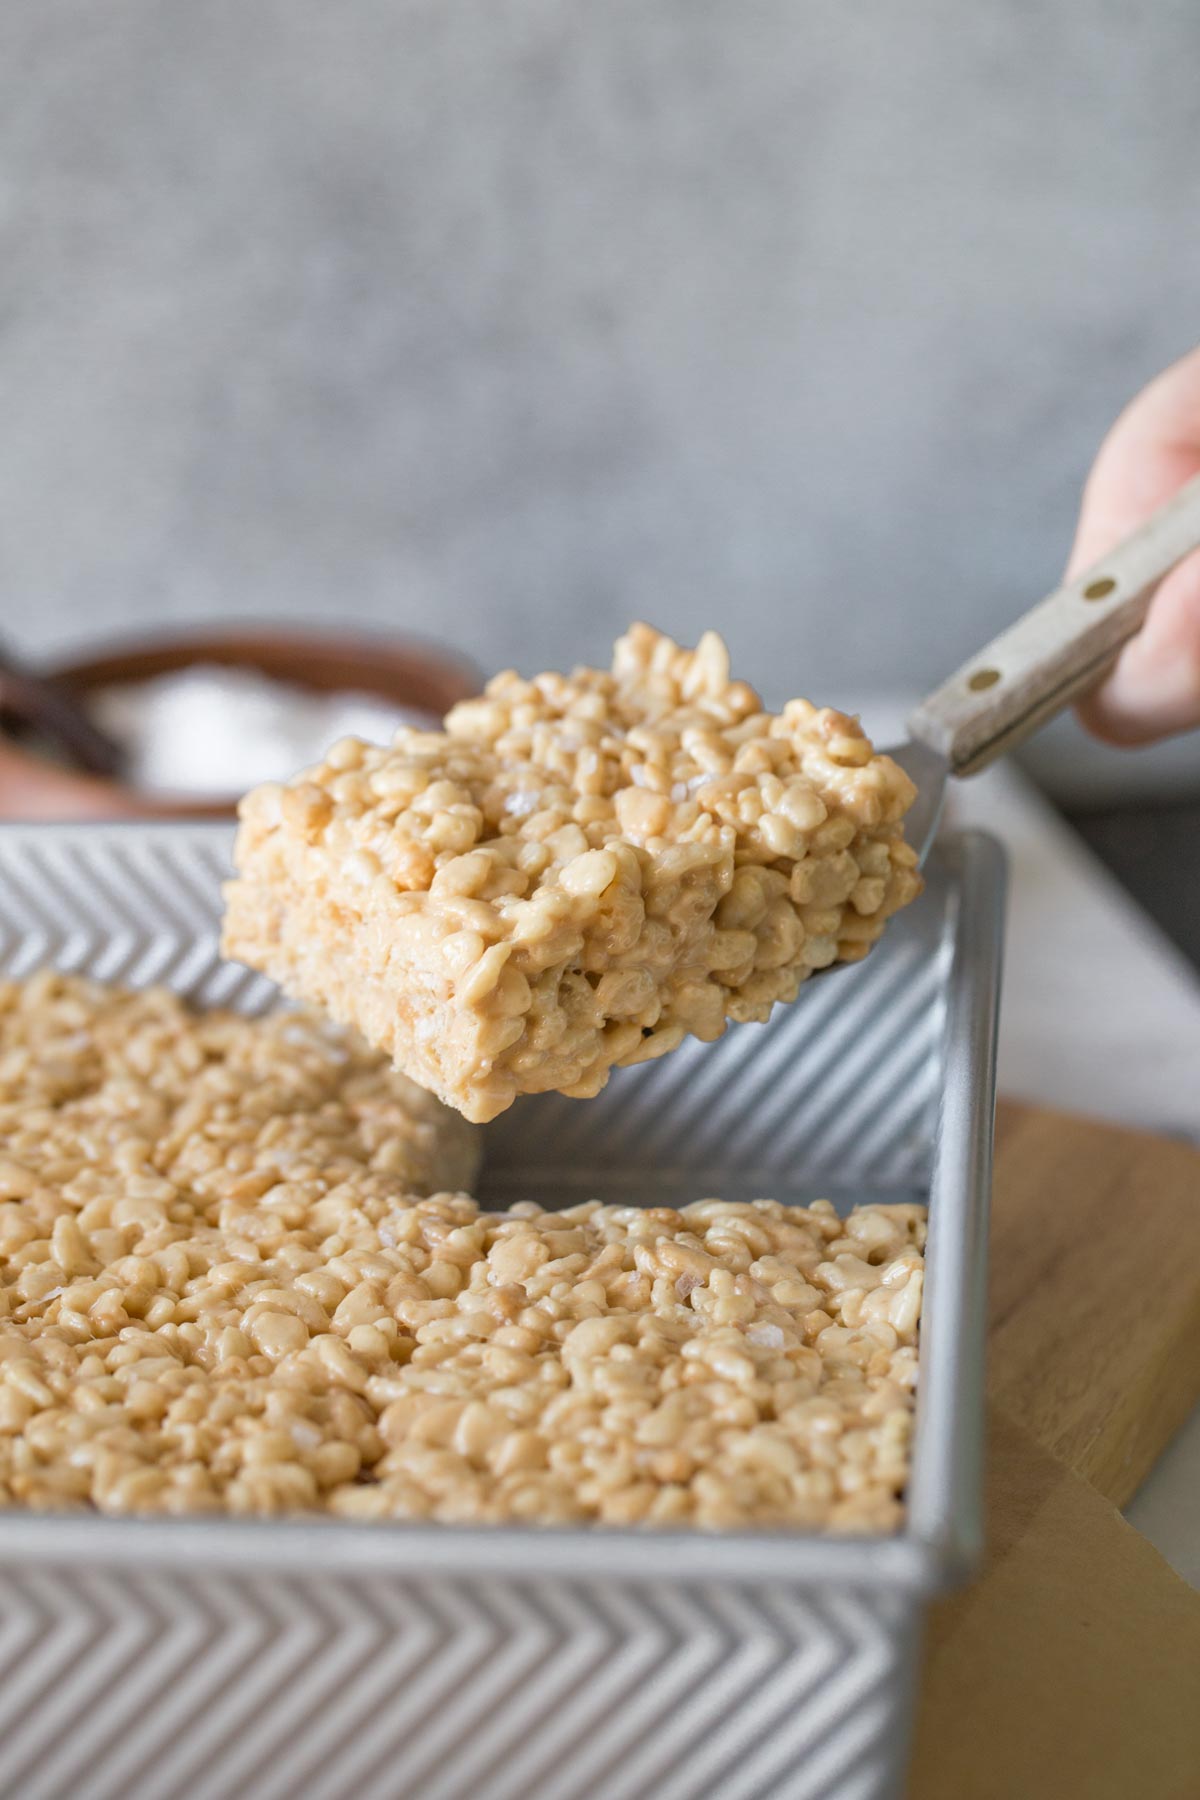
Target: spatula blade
<point>927,769</point>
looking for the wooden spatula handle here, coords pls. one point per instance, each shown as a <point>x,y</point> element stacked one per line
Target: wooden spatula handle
<point>1060,649</point>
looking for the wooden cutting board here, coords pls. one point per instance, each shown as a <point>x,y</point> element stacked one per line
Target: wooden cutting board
<point>1071,1669</point>
<point>1095,1291</point>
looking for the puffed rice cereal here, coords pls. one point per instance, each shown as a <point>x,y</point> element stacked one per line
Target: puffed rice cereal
<point>218,1292</point>
<point>576,873</point>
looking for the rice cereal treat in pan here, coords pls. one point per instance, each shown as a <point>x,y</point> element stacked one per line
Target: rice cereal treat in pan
<point>201,1314</point>
<point>577,872</point>
<point>92,1074</point>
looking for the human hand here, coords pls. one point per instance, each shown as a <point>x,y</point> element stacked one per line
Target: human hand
<point>1153,688</point>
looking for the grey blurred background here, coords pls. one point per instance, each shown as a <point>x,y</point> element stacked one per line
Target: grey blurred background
<point>511,320</point>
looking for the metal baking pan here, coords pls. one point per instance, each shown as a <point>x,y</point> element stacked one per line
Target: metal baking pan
<point>211,1659</point>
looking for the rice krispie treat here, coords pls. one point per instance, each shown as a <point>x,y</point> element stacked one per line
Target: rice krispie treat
<point>575,873</point>
<point>93,1075</point>
<point>229,1302</point>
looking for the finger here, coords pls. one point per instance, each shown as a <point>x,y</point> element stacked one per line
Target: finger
<point>1153,688</point>
<point>1150,452</point>
<point>1132,478</point>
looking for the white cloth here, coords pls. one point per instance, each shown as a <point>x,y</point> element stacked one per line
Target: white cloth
<point>1100,1012</point>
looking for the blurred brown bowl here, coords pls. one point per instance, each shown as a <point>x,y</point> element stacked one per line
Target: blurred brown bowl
<point>403,670</point>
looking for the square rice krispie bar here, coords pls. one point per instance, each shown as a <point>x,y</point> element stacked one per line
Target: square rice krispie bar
<point>576,872</point>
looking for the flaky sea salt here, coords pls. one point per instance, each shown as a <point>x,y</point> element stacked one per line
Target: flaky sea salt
<point>213,731</point>
<point>766,1337</point>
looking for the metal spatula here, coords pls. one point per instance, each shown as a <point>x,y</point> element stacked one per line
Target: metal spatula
<point>1038,666</point>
